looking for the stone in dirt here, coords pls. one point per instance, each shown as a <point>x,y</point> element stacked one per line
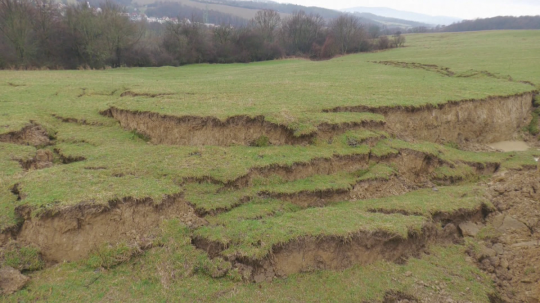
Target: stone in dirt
<point>11,280</point>
<point>469,229</point>
<point>511,224</point>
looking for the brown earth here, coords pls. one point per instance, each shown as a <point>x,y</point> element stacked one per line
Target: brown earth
<point>43,159</point>
<point>71,233</point>
<point>511,252</point>
<point>462,122</point>
<point>368,189</point>
<point>11,280</point>
<point>32,134</point>
<point>337,253</point>
<point>493,119</point>
<point>198,131</point>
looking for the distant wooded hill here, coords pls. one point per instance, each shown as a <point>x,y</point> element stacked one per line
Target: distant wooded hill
<point>495,23</point>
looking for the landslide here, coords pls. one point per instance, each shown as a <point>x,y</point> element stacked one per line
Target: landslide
<point>468,121</point>
<point>462,122</point>
<point>71,233</point>
<point>32,134</point>
<point>510,248</point>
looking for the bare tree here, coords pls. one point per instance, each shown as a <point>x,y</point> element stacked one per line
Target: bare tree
<point>347,32</point>
<point>16,25</point>
<point>300,31</point>
<point>119,32</point>
<point>399,39</point>
<point>45,21</point>
<point>266,22</point>
<point>86,35</point>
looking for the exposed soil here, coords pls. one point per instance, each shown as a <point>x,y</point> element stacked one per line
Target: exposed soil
<point>71,233</point>
<point>11,280</point>
<point>509,146</point>
<point>43,159</point>
<point>414,166</point>
<point>511,253</point>
<point>76,121</point>
<point>189,130</point>
<point>369,189</point>
<point>472,121</point>
<point>32,134</point>
<point>461,122</point>
<point>336,253</point>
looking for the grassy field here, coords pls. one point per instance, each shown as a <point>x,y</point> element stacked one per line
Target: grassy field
<point>240,189</point>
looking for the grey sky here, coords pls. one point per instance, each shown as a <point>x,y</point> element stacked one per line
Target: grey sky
<point>467,9</point>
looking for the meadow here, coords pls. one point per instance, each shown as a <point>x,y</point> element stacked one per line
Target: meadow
<point>352,179</point>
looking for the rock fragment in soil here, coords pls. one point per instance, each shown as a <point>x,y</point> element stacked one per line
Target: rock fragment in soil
<point>11,280</point>
<point>469,229</point>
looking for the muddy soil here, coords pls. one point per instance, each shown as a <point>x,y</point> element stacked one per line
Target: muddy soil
<point>70,234</point>
<point>32,134</point>
<point>511,255</point>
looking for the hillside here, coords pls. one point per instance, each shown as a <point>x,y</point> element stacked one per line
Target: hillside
<point>404,15</point>
<point>495,23</point>
<point>371,177</point>
<point>248,9</point>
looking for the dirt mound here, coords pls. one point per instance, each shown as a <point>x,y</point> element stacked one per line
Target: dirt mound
<point>512,252</point>
<point>33,134</point>
<point>11,280</point>
<point>72,233</point>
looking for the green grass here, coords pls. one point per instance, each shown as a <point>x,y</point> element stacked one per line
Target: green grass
<point>117,163</point>
<point>175,271</point>
<point>256,238</point>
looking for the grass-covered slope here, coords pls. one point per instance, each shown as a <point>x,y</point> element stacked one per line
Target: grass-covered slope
<point>62,156</point>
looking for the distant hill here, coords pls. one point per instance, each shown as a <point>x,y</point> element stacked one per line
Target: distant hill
<point>247,10</point>
<point>495,23</point>
<point>392,13</point>
<point>391,22</point>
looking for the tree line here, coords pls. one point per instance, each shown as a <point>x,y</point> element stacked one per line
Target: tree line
<point>44,34</point>
<point>495,23</point>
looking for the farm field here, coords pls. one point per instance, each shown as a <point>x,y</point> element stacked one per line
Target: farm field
<point>363,178</point>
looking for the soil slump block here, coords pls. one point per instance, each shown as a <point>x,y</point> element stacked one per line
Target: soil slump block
<point>470,121</point>
<point>71,234</point>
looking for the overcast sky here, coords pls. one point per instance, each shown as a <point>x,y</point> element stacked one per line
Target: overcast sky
<point>467,9</point>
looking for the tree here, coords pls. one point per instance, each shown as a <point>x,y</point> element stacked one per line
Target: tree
<point>300,31</point>
<point>347,32</point>
<point>119,33</point>
<point>16,25</point>
<point>86,35</point>
<point>266,23</point>
<point>399,39</point>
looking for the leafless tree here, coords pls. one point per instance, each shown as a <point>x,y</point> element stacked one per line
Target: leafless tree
<point>16,25</point>
<point>300,31</point>
<point>266,23</point>
<point>347,32</point>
